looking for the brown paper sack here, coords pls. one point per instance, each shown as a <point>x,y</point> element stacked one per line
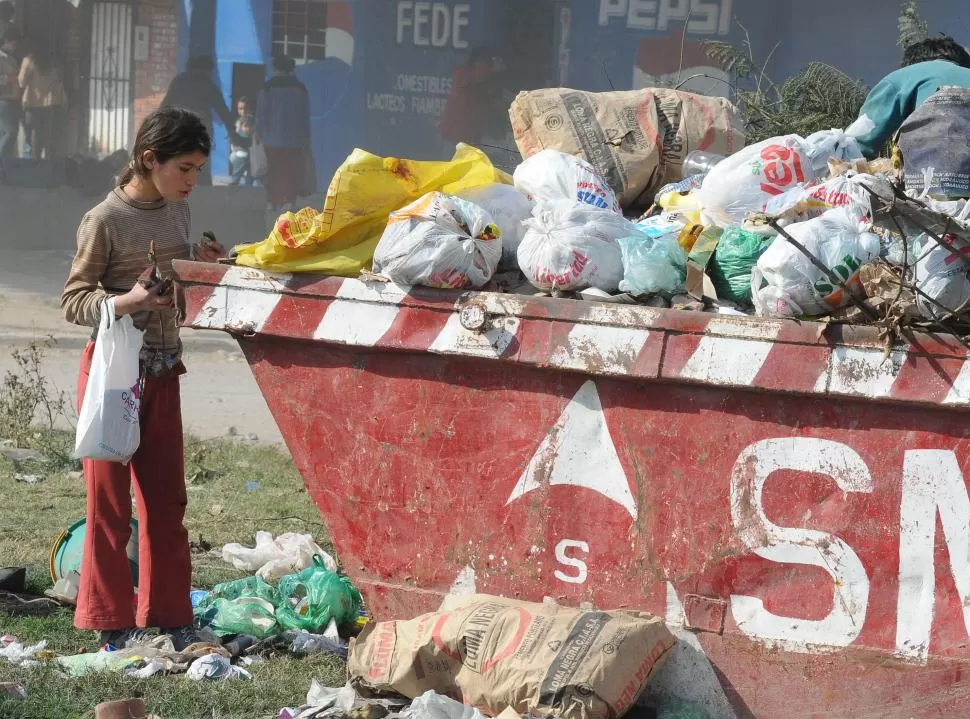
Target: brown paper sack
<point>636,139</point>
<point>495,653</point>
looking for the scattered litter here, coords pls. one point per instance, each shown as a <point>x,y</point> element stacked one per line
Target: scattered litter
<point>216,668</point>
<point>432,705</point>
<point>19,654</point>
<point>16,454</point>
<point>253,486</point>
<point>29,478</point>
<point>13,690</point>
<point>272,559</point>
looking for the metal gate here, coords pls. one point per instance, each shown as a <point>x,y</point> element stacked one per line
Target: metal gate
<point>110,77</point>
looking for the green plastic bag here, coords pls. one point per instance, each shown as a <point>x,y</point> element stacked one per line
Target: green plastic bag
<point>242,606</point>
<point>310,599</point>
<point>736,255</point>
<point>246,615</point>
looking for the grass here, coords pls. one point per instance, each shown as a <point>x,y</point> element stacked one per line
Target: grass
<point>235,489</point>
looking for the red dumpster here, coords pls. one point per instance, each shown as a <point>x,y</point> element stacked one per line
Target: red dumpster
<point>792,497</point>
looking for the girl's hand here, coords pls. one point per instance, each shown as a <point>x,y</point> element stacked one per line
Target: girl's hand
<point>140,299</point>
<point>209,251</point>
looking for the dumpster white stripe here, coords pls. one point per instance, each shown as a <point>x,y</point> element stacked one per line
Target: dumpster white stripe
<point>243,301</point>
<point>492,343</point>
<point>604,350</point>
<point>862,372</point>
<point>960,389</point>
<point>579,451</point>
<point>729,361</point>
<point>687,674</point>
<point>362,313</point>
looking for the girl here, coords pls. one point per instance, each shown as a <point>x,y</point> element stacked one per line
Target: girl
<point>113,243</point>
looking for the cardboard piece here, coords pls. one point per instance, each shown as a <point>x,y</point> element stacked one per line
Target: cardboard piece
<point>496,653</point>
<point>637,139</point>
<point>699,284</point>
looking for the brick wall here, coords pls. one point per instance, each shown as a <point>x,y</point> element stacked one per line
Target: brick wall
<point>153,77</point>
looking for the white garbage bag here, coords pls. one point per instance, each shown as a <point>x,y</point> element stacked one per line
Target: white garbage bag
<point>509,209</point>
<point>785,283</point>
<point>439,241</point>
<point>747,180</point>
<point>108,425</point>
<point>942,275</point>
<point>272,559</point>
<point>570,246</point>
<point>551,175</point>
<point>814,200</point>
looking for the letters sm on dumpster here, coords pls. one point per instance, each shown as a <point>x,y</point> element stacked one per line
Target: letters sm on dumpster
<point>785,490</point>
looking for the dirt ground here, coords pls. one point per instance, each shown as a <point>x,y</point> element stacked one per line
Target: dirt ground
<point>219,395</point>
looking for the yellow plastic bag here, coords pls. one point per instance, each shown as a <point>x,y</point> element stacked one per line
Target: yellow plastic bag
<point>363,193</point>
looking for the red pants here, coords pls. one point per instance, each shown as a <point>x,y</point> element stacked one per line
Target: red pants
<point>106,596</point>
<point>284,178</point>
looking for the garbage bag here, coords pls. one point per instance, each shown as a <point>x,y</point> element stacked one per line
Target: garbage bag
<point>746,181</point>
<point>935,137</point>
<point>310,599</point>
<point>570,246</point>
<point>509,209</point>
<point>432,705</point>
<point>942,276</point>
<point>551,175</point>
<point>653,264</point>
<point>786,284</point>
<point>571,663</point>
<point>736,255</point>
<point>637,140</point>
<point>440,241</point>
<point>814,200</point>
<point>341,239</point>
<point>108,425</point>
<point>274,558</point>
<point>245,615</point>
<point>242,606</point>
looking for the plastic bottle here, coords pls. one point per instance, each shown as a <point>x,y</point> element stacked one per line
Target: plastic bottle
<point>700,162</point>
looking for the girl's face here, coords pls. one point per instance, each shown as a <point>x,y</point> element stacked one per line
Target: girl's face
<point>176,178</point>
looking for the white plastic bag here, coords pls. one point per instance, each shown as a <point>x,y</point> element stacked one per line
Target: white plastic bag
<point>814,200</point>
<point>551,175</point>
<point>653,264</point>
<point>108,425</point>
<point>569,246</point>
<point>440,241</point>
<point>795,286</point>
<point>942,275</point>
<point>272,559</point>
<point>747,180</point>
<point>509,209</point>
<point>258,161</point>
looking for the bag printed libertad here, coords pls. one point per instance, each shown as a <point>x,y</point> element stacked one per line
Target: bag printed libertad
<point>108,426</point>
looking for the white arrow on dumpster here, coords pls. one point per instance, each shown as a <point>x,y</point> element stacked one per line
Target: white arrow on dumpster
<point>579,451</point>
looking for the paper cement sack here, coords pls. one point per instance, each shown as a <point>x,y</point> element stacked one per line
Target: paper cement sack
<point>494,653</point>
<point>636,139</point>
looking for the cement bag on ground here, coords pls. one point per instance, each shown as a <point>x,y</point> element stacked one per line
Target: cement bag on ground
<point>494,653</point>
<point>552,175</point>
<point>509,209</point>
<point>746,181</point>
<point>653,264</point>
<point>568,246</point>
<point>637,140</point>
<point>439,241</point>
<point>341,239</point>
<point>786,284</point>
<point>943,276</point>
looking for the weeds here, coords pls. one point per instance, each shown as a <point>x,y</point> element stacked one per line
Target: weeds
<point>27,397</point>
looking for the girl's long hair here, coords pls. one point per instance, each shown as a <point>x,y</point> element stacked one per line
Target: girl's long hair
<point>168,132</point>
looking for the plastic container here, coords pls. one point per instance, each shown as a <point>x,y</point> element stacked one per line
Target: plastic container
<point>700,162</point>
